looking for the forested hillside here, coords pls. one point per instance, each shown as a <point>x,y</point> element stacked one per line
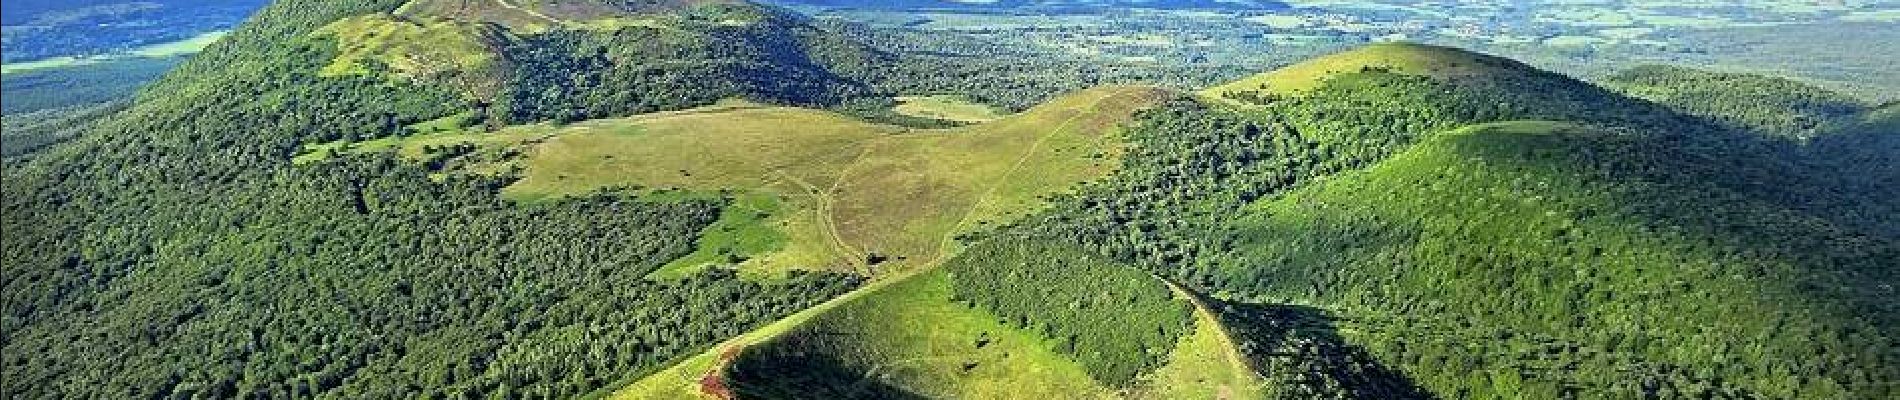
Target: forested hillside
<point>1593,258</point>
<point>174,250</point>
<point>1770,105</point>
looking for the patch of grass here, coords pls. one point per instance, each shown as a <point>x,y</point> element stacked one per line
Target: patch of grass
<point>682,379</point>
<point>442,51</point>
<point>499,12</point>
<point>1205,365</point>
<point>742,232</point>
<point>428,135</point>
<point>946,107</point>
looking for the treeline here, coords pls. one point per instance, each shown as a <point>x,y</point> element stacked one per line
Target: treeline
<point>1003,73</point>
<point>173,250</point>
<point>1117,321</point>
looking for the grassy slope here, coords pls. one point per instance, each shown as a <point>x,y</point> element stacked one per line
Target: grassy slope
<point>1403,58</point>
<point>465,55</point>
<point>503,12</point>
<point>913,339</point>
<point>1205,362</point>
<point>843,189</point>
<point>542,15</point>
<point>946,107</point>
<point>1206,365</point>
<point>1489,205</point>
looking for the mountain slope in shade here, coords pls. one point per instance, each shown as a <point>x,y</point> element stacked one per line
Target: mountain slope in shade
<point>1775,106</point>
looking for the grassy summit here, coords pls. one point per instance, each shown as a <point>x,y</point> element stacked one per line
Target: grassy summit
<point>847,194</point>
<point>1401,58</point>
<point>541,15</point>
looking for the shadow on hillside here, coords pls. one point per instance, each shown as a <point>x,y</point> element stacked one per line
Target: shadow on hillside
<point>1300,351</point>
<point>773,373</point>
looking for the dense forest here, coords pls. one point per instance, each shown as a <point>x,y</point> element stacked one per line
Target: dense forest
<point>173,250</point>
<point>1759,103</point>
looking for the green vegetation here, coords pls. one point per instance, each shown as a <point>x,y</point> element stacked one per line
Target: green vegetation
<point>1540,238</point>
<point>853,196</point>
<point>213,266</point>
<point>459,55</point>
<point>79,85</point>
<point>1207,364</point>
<point>1399,58</point>
<point>1743,101</point>
<point>932,335</point>
<point>1400,234</point>
<point>909,340</point>
<point>1484,208</point>
<point>25,132</point>
<point>741,233</point>
<point>592,198</point>
<point>1116,321</point>
<point>944,107</point>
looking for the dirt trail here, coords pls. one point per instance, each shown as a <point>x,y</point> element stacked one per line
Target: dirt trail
<point>949,238</point>
<point>1238,361</point>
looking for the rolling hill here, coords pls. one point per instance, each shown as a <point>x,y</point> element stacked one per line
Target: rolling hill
<point>1395,57</point>
<point>1420,222</point>
<point>514,198</point>
<point>551,299</point>
<point>1362,254</point>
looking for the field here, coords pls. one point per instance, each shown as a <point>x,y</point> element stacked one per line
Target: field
<point>159,50</point>
<point>846,195</point>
